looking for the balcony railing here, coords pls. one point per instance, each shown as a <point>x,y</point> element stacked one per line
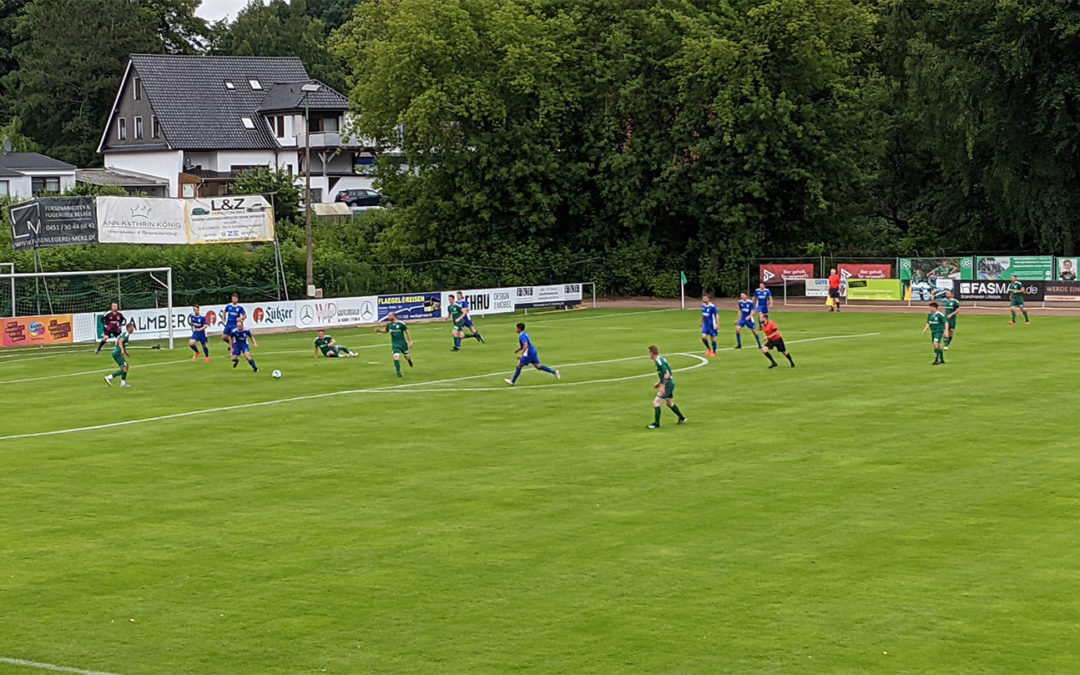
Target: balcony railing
<point>330,139</point>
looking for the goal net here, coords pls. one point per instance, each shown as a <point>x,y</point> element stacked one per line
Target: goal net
<point>82,294</point>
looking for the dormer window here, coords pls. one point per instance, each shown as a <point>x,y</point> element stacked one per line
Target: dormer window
<point>255,84</point>
<point>229,85</point>
<point>248,123</point>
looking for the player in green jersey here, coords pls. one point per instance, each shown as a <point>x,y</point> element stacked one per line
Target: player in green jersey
<point>952,308</point>
<point>1016,301</point>
<point>400,340</point>
<point>938,326</point>
<point>330,348</point>
<point>456,314</point>
<point>119,354</point>
<point>665,389</point>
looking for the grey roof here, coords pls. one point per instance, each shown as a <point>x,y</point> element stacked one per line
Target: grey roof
<point>32,161</point>
<point>119,178</point>
<point>195,109</point>
<point>288,97</point>
<point>8,173</point>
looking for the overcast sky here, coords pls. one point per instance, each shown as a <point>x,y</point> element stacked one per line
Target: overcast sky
<point>212,10</point>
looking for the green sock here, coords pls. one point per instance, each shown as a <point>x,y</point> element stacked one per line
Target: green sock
<point>940,355</point>
<point>1026,316</point>
<point>397,366</point>
<point>123,376</point>
<point>656,421</point>
<point>120,374</point>
<point>948,341</point>
<point>1013,315</point>
<point>675,409</point>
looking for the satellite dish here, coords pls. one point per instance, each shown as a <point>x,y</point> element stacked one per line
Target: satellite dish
<point>7,145</point>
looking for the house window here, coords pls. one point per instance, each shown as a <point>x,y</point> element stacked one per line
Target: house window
<point>40,184</point>
<point>137,89</point>
<point>5,189</point>
<point>277,123</point>
<point>318,124</point>
<point>138,128</point>
<point>121,129</point>
<point>255,84</point>
<point>229,85</point>
<point>248,123</point>
<point>155,127</point>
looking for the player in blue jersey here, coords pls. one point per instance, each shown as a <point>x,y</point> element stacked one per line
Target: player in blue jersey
<point>763,298</point>
<point>745,320</point>
<point>463,302</point>
<point>529,357</point>
<point>240,338</point>
<point>710,324</point>
<point>232,313</point>
<point>198,334</point>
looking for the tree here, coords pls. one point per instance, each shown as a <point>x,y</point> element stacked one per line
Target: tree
<point>280,28</point>
<point>278,186</point>
<point>9,12</point>
<point>12,133</point>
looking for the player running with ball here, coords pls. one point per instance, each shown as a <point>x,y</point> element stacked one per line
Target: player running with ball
<point>240,337</point>
<point>665,387</point>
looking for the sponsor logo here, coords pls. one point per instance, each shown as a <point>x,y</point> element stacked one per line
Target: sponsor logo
<point>572,289</point>
<point>525,292</point>
<point>307,315</point>
<point>766,275</point>
<point>367,311</point>
<point>211,318</point>
<point>273,315</point>
<point>258,314</point>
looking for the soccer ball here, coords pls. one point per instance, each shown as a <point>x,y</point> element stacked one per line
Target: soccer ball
<point>276,374</point>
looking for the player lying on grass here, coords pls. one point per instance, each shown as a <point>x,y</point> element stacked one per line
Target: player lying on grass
<point>710,324</point>
<point>529,356</point>
<point>112,325</point>
<point>119,355</point>
<point>1016,301</point>
<point>400,340</point>
<point>938,326</point>
<point>665,387</point>
<point>463,303</point>
<point>330,348</point>
<point>774,341</point>
<point>745,320</point>
<point>240,337</point>
<point>198,334</point>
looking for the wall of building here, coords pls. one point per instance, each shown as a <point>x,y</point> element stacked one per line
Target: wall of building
<point>165,164</point>
<point>128,109</point>
<point>19,187</point>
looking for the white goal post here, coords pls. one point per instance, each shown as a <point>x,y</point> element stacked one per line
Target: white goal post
<point>87,291</point>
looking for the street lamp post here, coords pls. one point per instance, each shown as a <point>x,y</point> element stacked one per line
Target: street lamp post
<point>308,89</point>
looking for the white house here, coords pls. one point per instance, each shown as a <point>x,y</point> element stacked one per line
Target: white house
<point>25,174</point>
<point>198,121</point>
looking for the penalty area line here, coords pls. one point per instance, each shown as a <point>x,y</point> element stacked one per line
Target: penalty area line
<point>51,667</point>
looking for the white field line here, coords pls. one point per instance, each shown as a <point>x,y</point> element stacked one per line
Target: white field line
<point>163,363</point>
<point>50,666</point>
<point>418,387</point>
<point>294,399</point>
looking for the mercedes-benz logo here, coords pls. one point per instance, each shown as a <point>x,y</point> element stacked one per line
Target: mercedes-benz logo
<point>307,315</point>
<point>367,310</point>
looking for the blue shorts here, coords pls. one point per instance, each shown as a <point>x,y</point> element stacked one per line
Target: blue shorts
<point>239,348</point>
<point>746,322</point>
<point>199,337</point>
<point>763,309</point>
<point>227,331</point>
<point>529,360</point>
<point>708,330</point>
<point>467,323</point>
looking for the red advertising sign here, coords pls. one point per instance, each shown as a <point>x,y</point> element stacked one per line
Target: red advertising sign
<point>776,274</point>
<point>865,271</point>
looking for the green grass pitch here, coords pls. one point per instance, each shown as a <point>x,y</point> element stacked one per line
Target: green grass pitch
<point>863,512</point>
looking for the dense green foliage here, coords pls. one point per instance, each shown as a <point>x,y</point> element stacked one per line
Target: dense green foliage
<point>446,523</point>
<point>649,136</point>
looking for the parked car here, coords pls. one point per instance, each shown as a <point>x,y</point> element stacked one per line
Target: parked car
<point>360,197</point>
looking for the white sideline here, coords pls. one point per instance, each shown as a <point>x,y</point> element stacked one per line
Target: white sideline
<point>50,666</point>
<point>417,387</point>
<point>153,365</point>
<point>308,397</point>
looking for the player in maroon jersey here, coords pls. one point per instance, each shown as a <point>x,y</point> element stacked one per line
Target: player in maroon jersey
<point>113,325</point>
